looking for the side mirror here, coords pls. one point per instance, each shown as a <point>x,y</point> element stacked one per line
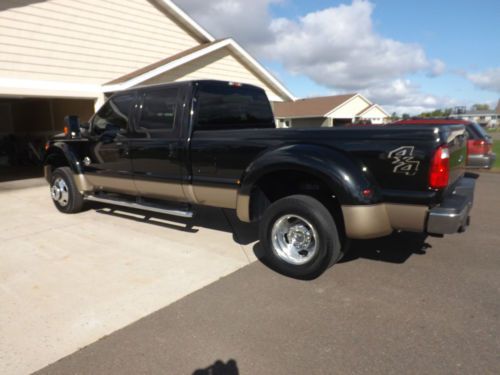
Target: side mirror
<point>72,128</point>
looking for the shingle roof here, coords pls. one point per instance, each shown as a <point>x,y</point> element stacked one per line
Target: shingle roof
<point>497,110</point>
<point>310,107</point>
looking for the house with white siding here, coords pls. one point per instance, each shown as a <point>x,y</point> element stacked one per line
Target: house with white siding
<point>489,118</point>
<point>60,57</point>
<point>329,111</point>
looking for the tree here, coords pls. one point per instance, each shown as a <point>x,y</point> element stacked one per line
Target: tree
<point>394,116</point>
<point>406,116</point>
<point>480,107</point>
<point>437,113</point>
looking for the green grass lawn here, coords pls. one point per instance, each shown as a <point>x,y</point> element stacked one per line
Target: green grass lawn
<point>496,149</point>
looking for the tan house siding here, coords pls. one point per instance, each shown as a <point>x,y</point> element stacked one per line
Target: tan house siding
<point>221,65</point>
<point>86,41</point>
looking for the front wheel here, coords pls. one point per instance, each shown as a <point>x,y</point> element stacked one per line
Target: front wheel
<point>64,192</point>
<point>299,237</point>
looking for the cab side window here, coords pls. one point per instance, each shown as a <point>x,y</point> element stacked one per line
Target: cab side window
<point>114,115</point>
<point>159,110</point>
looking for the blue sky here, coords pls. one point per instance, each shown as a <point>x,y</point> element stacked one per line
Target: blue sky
<point>407,55</point>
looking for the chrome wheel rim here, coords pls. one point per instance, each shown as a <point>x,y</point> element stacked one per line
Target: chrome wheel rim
<point>294,239</point>
<point>59,192</point>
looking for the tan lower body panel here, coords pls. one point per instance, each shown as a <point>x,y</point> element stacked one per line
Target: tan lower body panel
<point>364,222</point>
<point>114,184</point>
<point>243,208</point>
<point>160,190</point>
<point>224,197</point>
<point>210,196</point>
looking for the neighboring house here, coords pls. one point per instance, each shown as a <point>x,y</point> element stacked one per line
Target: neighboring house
<point>328,111</point>
<point>488,118</point>
<point>61,57</point>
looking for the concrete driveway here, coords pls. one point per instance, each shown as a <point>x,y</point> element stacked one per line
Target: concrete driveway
<point>68,280</point>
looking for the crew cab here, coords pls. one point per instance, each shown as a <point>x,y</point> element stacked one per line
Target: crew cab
<point>479,144</point>
<point>169,148</point>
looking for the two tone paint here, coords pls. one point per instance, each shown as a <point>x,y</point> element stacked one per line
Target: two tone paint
<point>220,168</point>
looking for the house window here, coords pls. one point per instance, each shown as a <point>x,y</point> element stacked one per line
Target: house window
<point>285,123</point>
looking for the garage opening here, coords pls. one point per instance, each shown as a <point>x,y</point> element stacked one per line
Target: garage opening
<point>342,121</point>
<point>26,124</point>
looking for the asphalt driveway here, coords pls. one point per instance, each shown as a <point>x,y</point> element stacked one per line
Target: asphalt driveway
<point>405,304</point>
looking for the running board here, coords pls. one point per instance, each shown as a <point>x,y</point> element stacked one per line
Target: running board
<point>141,206</point>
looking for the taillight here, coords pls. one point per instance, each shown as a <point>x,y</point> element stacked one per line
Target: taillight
<point>478,147</point>
<point>439,174</point>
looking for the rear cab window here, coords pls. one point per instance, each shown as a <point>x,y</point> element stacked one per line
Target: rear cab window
<point>231,106</point>
<point>158,110</point>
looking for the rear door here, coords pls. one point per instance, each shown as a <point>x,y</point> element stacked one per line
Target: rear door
<point>107,162</point>
<point>157,149</point>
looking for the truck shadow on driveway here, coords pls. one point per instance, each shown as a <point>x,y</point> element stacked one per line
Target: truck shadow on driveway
<point>396,248</point>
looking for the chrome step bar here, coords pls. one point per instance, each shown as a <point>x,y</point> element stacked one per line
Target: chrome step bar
<point>141,206</point>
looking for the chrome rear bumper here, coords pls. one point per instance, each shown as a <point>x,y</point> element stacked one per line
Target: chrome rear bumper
<point>452,215</point>
<point>481,161</point>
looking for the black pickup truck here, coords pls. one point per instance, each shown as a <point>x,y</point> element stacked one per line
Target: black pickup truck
<point>168,148</point>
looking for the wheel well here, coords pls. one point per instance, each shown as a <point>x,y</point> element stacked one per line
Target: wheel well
<point>56,159</point>
<point>276,185</point>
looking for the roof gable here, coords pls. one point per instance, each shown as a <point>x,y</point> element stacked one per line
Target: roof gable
<point>311,107</point>
<point>148,72</point>
<point>374,108</point>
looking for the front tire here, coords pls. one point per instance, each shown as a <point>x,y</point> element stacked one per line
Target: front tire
<point>299,237</point>
<point>64,192</point>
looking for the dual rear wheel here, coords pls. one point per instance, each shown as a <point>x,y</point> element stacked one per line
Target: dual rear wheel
<point>300,237</point>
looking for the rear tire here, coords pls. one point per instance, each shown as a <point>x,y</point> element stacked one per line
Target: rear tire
<point>299,237</point>
<point>64,192</point>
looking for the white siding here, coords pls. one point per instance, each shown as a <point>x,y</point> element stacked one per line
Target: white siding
<point>375,115</point>
<point>220,65</point>
<point>350,109</point>
<point>90,41</point>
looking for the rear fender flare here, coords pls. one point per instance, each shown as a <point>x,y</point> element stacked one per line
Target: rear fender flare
<point>344,176</point>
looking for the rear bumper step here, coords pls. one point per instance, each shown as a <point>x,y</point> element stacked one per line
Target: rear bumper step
<point>139,205</point>
<point>452,215</point>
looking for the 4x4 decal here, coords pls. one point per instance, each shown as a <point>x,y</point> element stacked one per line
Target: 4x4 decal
<point>403,160</point>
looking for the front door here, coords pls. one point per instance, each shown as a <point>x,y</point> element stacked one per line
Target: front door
<point>107,165</point>
<point>156,148</point>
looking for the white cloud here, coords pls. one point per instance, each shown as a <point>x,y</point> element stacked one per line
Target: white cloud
<point>403,96</point>
<point>487,80</point>
<point>336,47</point>
<point>438,67</point>
<point>246,21</point>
